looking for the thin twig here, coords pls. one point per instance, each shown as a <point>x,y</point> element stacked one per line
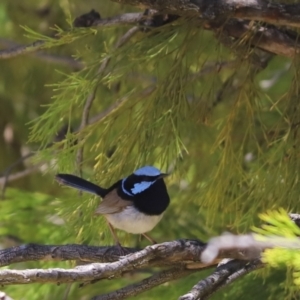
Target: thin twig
<point>18,175</point>
<point>125,19</point>
<point>7,177</point>
<point>207,69</point>
<point>141,95</point>
<point>58,59</point>
<point>85,114</point>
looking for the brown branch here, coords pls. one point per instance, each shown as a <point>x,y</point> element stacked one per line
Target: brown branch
<point>215,13</point>
<point>7,177</point>
<point>34,252</point>
<point>58,59</point>
<point>168,252</point>
<point>255,10</point>
<point>181,256</point>
<point>146,284</point>
<point>234,17</point>
<point>187,252</point>
<point>208,285</point>
<point>246,269</point>
<point>160,254</point>
<point>268,38</point>
<point>18,175</point>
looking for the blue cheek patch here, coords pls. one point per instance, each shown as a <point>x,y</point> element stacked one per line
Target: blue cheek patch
<point>141,186</point>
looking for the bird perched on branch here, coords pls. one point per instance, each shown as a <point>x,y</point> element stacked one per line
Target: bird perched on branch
<point>134,204</point>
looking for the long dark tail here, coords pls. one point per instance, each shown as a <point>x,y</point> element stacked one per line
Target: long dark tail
<point>80,184</point>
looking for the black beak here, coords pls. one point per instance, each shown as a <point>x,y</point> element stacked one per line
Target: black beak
<point>162,175</point>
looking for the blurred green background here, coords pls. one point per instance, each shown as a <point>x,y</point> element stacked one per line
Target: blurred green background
<point>227,131</point>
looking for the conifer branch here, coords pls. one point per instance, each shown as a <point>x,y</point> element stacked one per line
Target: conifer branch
<point>237,18</point>
<point>268,37</point>
<point>51,58</point>
<point>125,19</point>
<point>85,114</point>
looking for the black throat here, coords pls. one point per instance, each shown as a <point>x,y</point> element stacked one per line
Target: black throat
<point>152,201</point>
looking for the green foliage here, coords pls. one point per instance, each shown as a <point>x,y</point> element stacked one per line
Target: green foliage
<point>278,224</point>
<point>228,134</point>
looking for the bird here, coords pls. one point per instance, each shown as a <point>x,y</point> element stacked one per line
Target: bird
<point>134,204</point>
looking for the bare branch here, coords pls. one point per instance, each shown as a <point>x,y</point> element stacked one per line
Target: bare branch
<point>159,254</point>
<point>181,256</point>
<point>58,59</point>
<point>7,177</point>
<point>146,284</point>
<point>18,175</point>
<point>268,38</point>
<point>208,285</point>
<point>33,252</point>
<point>246,269</point>
<point>255,10</point>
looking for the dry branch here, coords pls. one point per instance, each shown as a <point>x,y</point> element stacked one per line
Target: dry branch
<point>146,284</point>
<point>254,10</point>
<point>168,253</point>
<point>180,257</point>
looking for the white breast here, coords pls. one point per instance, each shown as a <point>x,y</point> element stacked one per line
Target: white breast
<point>133,221</point>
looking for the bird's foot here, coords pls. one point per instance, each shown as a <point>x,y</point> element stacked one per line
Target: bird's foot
<point>149,238</point>
<point>122,251</point>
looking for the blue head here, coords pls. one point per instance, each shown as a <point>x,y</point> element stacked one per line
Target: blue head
<point>141,179</point>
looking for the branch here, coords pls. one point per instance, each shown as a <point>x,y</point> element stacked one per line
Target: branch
<point>85,114</point>
<point>181,256</point>
<point>34,252</point>
<point>207,285</point>
<point>7,177</point>
<point>268,38</point>
<point>223,275</point>
<point>125,19</point>
<point>59,59</point>
<point>146,284</point>
<point>246,269</point>
<point>158,255</point>
<point>255,10</point>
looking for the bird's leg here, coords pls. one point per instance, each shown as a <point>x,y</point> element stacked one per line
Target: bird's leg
<point>122,251</point>
<point>150,239</point>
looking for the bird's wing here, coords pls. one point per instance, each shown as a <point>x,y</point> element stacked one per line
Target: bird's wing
<point>112,203</point>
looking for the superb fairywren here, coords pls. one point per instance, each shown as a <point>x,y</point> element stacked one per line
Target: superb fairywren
<point>134,204</point>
